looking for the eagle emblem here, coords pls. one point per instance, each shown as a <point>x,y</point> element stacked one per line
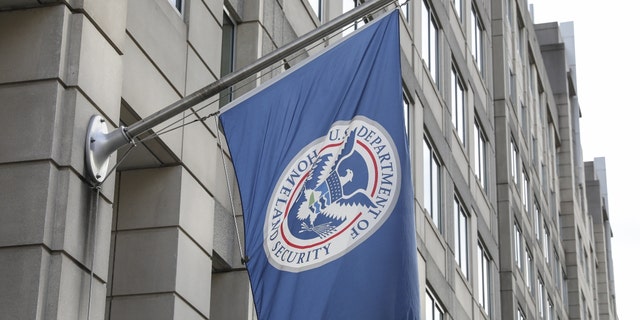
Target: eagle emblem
<point>332,192</point>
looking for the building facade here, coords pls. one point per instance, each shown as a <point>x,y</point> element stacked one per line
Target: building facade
<point>510,222</point>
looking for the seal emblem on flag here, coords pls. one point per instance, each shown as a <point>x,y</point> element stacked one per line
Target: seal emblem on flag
<point>332,196</point>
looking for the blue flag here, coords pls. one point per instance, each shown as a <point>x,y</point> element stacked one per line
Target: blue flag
<point>321,159</point>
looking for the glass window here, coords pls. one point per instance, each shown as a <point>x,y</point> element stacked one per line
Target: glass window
<point>458,109</point>
<point>522,38</point>
<point>457,5</point>
<point>512,87</point>
<point>433,310</point>
<point>480,151</point>
<point>405,109</point>
<point>514,161</point>
<point>477,39</point>
<point>546,242</point>
<point>461,231</point>
<point>228,55</point>
<point>528,269</point>
<point>430,43</point>
<point>404,8</point>
<point>316,5</point>
<point>536,218</point>
<point>517,245</point>
<point>541,300</point>
<point>525,190</point>
<point>431,183</point>
<point>483,278</point>
<point>348,5</point>
<point>178,4</point>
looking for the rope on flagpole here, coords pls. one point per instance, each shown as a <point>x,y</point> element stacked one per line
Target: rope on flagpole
<point>243,258</point>
<point>172,126</point>
<point>168,128</point>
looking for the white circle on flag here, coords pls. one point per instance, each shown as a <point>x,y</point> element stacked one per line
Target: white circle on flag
<point>332,196</point>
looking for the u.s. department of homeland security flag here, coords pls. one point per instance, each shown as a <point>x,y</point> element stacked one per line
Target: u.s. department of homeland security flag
<point>324,176</point>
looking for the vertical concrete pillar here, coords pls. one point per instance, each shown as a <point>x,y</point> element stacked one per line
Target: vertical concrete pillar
<point>163,240</point>
<point>59,64</point>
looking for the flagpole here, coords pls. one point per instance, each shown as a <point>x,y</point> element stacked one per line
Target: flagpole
<point>100,143</point>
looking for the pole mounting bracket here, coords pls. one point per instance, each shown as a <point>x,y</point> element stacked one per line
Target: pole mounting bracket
<point>99,145</point>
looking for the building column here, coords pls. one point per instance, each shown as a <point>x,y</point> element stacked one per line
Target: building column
<point>60,63</point>
<point>162,245</point>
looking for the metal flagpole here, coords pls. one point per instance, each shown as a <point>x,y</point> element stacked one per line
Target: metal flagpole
<point>100,143</point>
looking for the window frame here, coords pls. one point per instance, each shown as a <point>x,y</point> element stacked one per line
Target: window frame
<point>178,5</point>
<point>520,315</point>
<point>358,23</point>
<point>458,104</point>
<point>432,187</point>
<point>480,152</point>
<point>540,297</point>
<point>514,160</point>
<point>546,243</point>
<point>477,39</point>
<point>229,50</point>
<point>484,278</point>
<point>430,44</point>
<point>461,232</point>
<point>525,190</point>
<point>433,304</point>
<point>317,7</point>
<point>517,245</point>
<point>529,272</point>
<point>406,105</point>
<point>458,8</point>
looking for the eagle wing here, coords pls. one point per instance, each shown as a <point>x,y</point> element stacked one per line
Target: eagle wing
<point>348,207</point>
<point>346,149</point>
<point>317,177</point>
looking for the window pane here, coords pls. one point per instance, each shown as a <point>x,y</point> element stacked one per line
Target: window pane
<point>429,29</point>
<point>480,154</point>
<point>227,57</point>
<point>435,191</point>
<point>457,105</point>
<point>433,310</point>
<point>431,182</point>
<point>477,39</point>
<point>457,5</point>
<point>426,158</point>
<point>529,269</point>
<point>460,226</point>
<point>517,246</point>
<point>405,110</point>
<point>316,5</point>
<point>463,243</point>
<point>348,5</point>
<point>176,4</point>
<point>434,50</point>
<point>483,284</point>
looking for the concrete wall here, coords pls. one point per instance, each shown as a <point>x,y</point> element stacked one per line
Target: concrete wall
<point>59,64</point>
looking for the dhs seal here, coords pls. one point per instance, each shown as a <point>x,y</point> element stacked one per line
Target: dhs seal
<point>333,195</point>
